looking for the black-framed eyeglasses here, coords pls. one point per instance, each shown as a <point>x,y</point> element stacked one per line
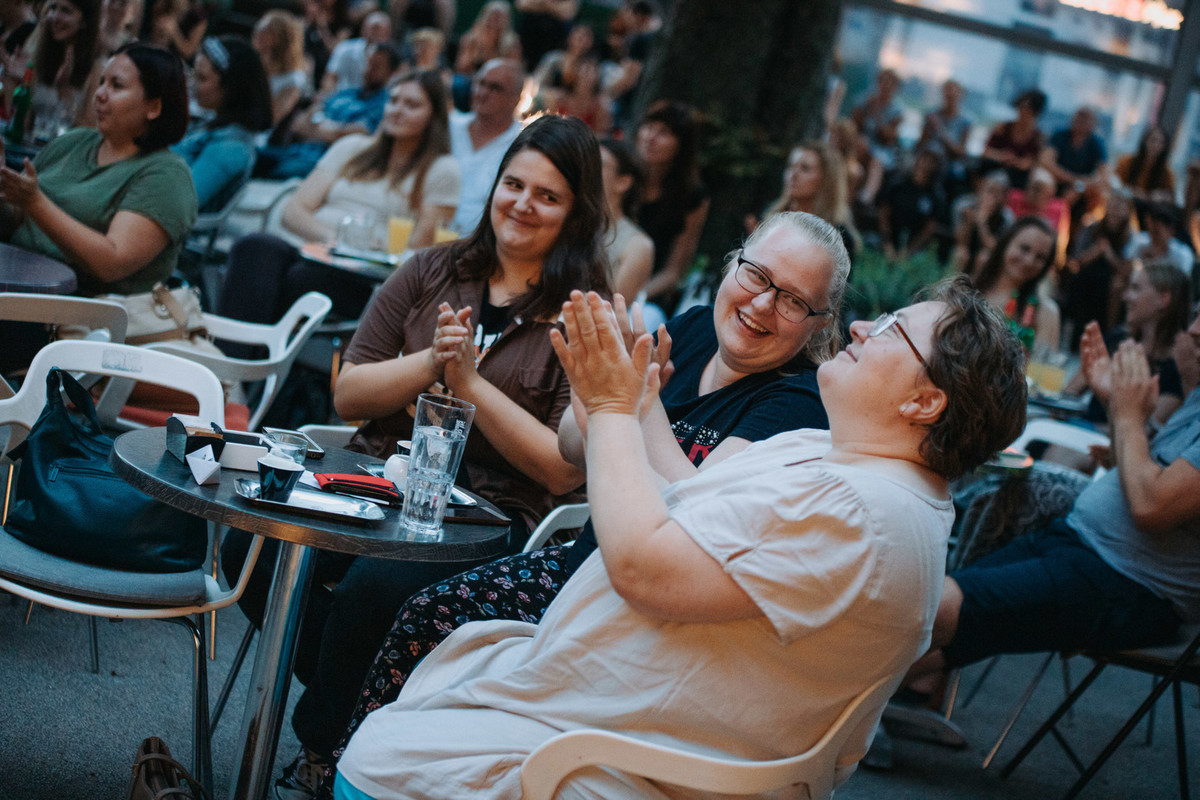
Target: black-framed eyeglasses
<point>889,320</point>
<point>753,278</point>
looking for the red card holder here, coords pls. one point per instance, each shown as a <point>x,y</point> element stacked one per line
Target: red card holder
<point>368,486</point>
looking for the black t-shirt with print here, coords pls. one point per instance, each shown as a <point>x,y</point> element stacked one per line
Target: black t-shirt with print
<point>754,408</point>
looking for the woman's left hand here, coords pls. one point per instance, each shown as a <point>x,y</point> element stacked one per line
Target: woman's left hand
<point>19,188</point>
<point>603,375</point>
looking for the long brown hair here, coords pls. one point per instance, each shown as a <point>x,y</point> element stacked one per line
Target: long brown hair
<point>49,55</point>
<point>372,163</point>
<point>577,260</point>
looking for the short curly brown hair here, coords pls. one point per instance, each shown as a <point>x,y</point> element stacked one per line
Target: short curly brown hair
<point>979,363</point>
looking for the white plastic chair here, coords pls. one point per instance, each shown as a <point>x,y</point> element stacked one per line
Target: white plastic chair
<point>1061,434</point>
<point>101,592</point>
<point>283,342</point>
<point>553,762</point>
<point>564,517</point>
<point>105,320</point>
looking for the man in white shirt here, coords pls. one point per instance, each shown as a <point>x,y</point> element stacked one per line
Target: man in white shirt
<point>348,61</point>
<point>479,139</point>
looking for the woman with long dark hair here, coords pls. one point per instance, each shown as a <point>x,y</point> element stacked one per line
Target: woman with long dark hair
<point>65,64</point>
<point>472,316</point>
<point>228,80</point>
<point>404,170</point>
<point>674,202</point>
<point>1011,279</point>
<point>1147,171</point>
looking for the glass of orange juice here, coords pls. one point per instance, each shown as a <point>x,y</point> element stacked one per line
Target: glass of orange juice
<point>399,231</point>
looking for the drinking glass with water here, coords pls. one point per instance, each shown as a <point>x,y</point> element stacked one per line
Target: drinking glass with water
<point>439,438</point>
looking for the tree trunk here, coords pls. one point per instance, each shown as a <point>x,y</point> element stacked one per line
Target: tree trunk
<point>758,71</point>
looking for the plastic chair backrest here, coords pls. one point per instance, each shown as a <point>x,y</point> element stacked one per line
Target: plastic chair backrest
<point>817,767</point>
<point>61,310</point>
<point>282,340</point>
<point>1052,431</point>
<point>119,360</point>
<point>564,517</point>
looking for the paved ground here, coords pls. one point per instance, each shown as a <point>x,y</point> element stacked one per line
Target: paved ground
<point>67,734</point>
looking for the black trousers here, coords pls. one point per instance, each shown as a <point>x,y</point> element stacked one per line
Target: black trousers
<point>351,606</point>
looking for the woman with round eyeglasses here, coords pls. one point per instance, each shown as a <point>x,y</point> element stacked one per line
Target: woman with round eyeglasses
<point>722,396</point>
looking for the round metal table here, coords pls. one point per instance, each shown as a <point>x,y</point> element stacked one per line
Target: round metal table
<point>140,458</point>
<point>23,271</point>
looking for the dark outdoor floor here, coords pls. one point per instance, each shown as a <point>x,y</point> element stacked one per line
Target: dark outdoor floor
<point>66,734</point>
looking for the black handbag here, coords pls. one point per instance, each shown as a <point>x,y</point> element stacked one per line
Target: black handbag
<point>69,502</point>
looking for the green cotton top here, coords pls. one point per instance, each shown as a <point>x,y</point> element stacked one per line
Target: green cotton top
<point>157,185</point>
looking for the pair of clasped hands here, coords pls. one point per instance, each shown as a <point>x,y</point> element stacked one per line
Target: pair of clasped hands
<point>612,363</point>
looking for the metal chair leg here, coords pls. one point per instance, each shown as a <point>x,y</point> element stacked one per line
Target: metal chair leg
<point>1016,712</point>
<point>1180,741</point>
<point>95,637</point>
<point>201,733</point>
<point>238,659</point>
<point>1048,725</point>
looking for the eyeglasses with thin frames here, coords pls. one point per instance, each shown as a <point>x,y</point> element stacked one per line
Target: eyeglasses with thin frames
<point>889,320</point>
<point>754,279</point>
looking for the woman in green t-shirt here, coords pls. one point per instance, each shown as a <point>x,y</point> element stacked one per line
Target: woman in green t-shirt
<point>113,202</point>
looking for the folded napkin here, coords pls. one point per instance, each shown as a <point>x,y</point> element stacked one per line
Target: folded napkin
<point>372,488</point>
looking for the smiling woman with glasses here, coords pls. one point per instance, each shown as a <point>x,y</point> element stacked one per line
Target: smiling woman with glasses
<point>753,278</point>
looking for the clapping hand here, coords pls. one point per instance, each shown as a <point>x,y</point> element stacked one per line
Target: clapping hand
<point>603,374</point>
<point>1187,361</point>
<point>452,332</point>
<point>633,327</point>
<point>1095,362</point>
<point>1134,391</point>
<point>18,188</point>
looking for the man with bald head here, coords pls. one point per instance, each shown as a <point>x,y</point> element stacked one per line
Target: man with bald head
<point>479,139</point>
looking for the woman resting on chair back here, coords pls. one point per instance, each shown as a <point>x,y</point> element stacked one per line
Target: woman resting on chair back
<point>475,316</point>
<point>112,202</point>
<point>732,384</point>
<point>739,610</point>
<point>229,81</point>
<point>404,170</point>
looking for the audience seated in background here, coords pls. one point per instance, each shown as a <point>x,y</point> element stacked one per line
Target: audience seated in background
<point>630,251</point>
<point>543,26</point>
<point>119,24</point>
<point>279,39</point>
<point>329,118</point>
<point>1016,146</point>
<point>1146,173</point>
<point>66,67</point>
<point>492,36</point>
<point>733,552</point>
<point>639,26</point>
<point>437,322</point>
<point>815,182</point>
<point>405,170</point>
<point>427,46</point>
<point>557,68</point>
<point>177,25</point>
<point>675,203</point>
<point>1097,270</point>
<point>1037,199</point>
<point>326,24</point>
<point>1122,570</point>
<point>980,222</point>
<point>911,208</point>
<point>1076,155</point>
<point>479,139</point>
<point>229,81</point>
<point>1011,280</point>
<point>945,133</point>
<point>113,201</point>
<point>348,62</point>
<point>1157,242</point>
<point>878,118</point>
<point>1157,304</point>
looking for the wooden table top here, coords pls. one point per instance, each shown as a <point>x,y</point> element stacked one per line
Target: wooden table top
<point>140,457</point>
